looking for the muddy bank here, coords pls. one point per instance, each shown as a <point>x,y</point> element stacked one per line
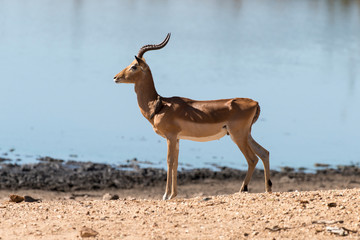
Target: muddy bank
<point>57,175</point>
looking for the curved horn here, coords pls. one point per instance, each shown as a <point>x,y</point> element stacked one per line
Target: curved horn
<point>150,47</point>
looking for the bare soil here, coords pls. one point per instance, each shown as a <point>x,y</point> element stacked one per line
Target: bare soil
<point>315,207</point>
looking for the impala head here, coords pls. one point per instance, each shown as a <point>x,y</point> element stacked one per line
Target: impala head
<point>138,68</point>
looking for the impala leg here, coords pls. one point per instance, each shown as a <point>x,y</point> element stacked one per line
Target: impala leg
<point>264,155</point>
<point>174,170</point>
<point>168,179</point>
<point>169,172</point>
<point>172,163</point>
<point>250,157</point>
<point>252,160</point>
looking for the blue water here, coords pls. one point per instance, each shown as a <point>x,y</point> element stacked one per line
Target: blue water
<point>299,59</point>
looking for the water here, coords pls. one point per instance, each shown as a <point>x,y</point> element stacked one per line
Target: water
<point>299,59</point>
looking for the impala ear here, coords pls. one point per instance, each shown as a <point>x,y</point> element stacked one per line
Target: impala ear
<point>140,61</point>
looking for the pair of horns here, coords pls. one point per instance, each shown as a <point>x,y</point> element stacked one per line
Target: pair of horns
<point>150,47</point>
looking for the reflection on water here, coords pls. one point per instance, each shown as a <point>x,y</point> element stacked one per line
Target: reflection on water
<point>299,59</point>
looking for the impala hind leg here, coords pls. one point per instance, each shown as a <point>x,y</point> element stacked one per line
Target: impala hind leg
<point>172,163</point>
<point>242,142</point>
<point>264,155</point>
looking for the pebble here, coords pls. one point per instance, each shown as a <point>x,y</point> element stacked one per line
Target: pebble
<point>206,199</point>
<point>16,198</point>
<point>31,199</point>
<point>109,196</point>
<point>86,232</point>
<point>338,231</point>
<point>332,204</point>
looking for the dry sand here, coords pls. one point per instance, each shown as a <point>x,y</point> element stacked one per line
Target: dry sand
<point>207,210</point>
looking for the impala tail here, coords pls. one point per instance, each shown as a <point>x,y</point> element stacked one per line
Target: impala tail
<point>257,114</point>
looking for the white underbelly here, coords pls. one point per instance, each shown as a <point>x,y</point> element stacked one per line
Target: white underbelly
<point>201,132</point>
<point>204,139</point>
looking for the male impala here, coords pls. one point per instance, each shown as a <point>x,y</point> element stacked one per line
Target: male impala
<point>176,118</point>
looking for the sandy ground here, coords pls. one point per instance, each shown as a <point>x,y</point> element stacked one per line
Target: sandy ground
<point>211,209</point>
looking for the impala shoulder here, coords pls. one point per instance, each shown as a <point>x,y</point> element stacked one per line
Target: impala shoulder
<point>177,102</point>
<point>166,113</point>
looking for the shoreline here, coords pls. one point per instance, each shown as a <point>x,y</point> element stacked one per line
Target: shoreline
<point>69,176</point>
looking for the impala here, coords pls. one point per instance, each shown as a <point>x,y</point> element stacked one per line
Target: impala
<point>176,118</point>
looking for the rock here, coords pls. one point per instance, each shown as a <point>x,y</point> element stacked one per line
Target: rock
<point>276,228</point>
<point>5,159</point>
<point>109,196</point>
<point>50,159</point>
<point>16,198</point>
<point>206,199</point>
<point>286,179</point>
<point>332,204</point>
<point>86,232</point>
<point>287,169</point>
<point>338,231</point>
<point>302,169</point>
<point>323,165</point>
<point>31,199</point>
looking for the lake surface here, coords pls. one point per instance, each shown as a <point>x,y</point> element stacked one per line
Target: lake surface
<point>299,59</point>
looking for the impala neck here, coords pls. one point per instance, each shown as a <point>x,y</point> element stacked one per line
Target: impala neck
<point>146,94</point>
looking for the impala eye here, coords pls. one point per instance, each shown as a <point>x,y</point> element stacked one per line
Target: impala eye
<point>133,67</point>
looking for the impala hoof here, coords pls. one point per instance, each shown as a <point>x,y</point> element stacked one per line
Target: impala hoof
<point>172,196</point>
<point>268,190</point>
<point>165,197</point>
<point>168,197</point>
<point>244,189</point>
<point>269,186</point>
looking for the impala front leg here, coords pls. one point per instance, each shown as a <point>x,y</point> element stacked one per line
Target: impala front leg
<point>172,163</point>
